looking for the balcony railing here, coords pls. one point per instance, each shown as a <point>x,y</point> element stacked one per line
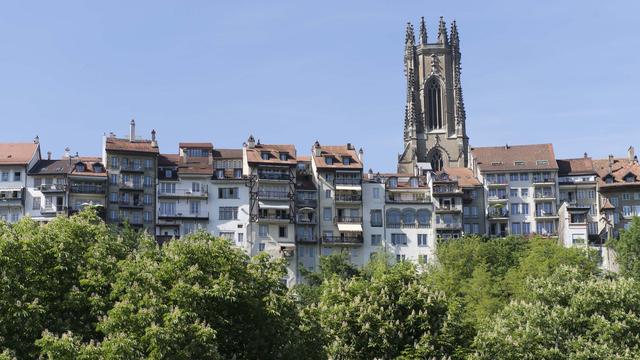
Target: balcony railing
<point>10,201</point>
<point>408,198</point>
<point>273,176</point>
<point>188,215</point>
<point>449,208</point>
<point>274,194</point>
<point>133,204</point>
<point>446,190</point>
<point>303,219</point>
<point>271,217</point>
<point>338,239</point>
<point>454,225</point>
<point>347,181</point>
<point>53,210</point>
<point>498,214</point>
<point>348,198</point>
<point>131,185</point>
<point>52,187</point>
<point>312,203</point>
<point>131,167</point>
<point>545,195</point>
<point>501,197</point>
<point>348,219</point>
<point>183,193</point>
<point>543,213</point>
<point>87,189</point>
<point>544,180</point>
<point>306,239</point>
<point>497,182</point>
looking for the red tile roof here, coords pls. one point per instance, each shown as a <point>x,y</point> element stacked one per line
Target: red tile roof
<point>44,167</point>
<point>191,166</point>
<point>337,153</point>
<point>143,146</point>
<point>89,162</point>
<point>17,153</point>
<point>196,145</point>
<point>464,176</point>
<point>578,166</point>
<point>504,158</point>
<point>227,154</point>
<point>254,155</point>
<point>619,169</point>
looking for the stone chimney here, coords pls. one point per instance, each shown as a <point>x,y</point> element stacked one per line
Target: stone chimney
<point>67,153</point>
<point>361,155</point>
<point>132,130</point>
<point>251,142</point>
<point>154,142</point>
<point>631,153</point>
<point>36,140</point>
<point>48,155</point>
<point>317,151</point>
<point>610,163</point>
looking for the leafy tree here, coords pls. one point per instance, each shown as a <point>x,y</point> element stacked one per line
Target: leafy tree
<point>569,315</point>
<point>627,249</point>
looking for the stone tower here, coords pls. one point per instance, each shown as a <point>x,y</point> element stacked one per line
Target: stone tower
<point>434,119</point>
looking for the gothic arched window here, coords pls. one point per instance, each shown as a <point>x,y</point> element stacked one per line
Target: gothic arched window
<point>436,161</point>
<point>434,104</point>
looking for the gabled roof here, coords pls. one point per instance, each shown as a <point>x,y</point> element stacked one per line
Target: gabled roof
<point>617,169</point>
<point>464,176</point>
<point>89,162</point>
<point>17,153</point>
<point>227,154</point>
<point>50,167</point>
<point>196,145</point>
<point>515,157</point>
<point>254,155</point>
<point>338,154</point>
<point>141,146</point>
<point>578,166</point>
<point>190,166</point>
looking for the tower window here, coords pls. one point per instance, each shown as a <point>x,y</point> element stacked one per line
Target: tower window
<point>436,161</point>
<point>434,104</point>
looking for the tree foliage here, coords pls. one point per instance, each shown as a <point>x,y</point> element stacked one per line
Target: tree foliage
<point>627,249</point>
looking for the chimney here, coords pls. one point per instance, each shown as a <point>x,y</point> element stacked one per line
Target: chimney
<point>610,163</point>
<point>67,153</point>
<point>349,146</point>
<point>251,142</point>
<point>506,146</point>
<point>316,149</point>
<point>132,130</point>
<point>631,152</point>
<point>585,155</point>
<point>48,155</point>
<point>36,140</point>
<point>154,142</point>
<point>361,155</point>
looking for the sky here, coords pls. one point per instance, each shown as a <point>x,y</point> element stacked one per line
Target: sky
<point>564,72</point>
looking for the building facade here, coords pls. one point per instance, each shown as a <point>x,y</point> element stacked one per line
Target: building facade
<point>15,161</point>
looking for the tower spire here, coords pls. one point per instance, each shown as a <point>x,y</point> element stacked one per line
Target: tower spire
<point>423,32</point>
<point>409,39</point>
<point>442,32</point>
<point>460,114</point>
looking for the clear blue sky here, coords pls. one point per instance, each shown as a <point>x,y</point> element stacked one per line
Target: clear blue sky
<point>564,72</point>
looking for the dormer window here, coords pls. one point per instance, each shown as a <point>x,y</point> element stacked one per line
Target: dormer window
<point>284,156</point>
<point>519,163</point>
<point>608,179</point>
<point>393,182</point>
<point>413,182</point>
<point>346,160</point>
<point>168,173</point>
<point>542,162</point>
<point>80,167</point>
<point>630,178</point>
<point>496,163</point>
<point>264,155</point>
<point>237,173</point>
<point>98,168</point>
<point>220,174</point>
<point>328,160</point>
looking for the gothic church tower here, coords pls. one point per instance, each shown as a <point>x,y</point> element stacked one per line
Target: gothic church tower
<point>434,119</point>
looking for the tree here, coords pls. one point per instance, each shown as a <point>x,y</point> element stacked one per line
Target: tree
<point>627,249</point>
<point>569,315</point>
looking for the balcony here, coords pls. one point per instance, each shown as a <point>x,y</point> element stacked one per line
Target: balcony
<point>348,219</point>
<point>131,204</point>
<point>277,176</point>
<point>53,210</point>
<point>546,214</point>
<point>306,202</point>
<point>305,219</point>
<point>497,214</point>
<point>49,188</point>
<point>272,218</point>
<point>497,183</point>
<point>446,190</point>
<point>161,239</point>
<point>543,196</point>
<point>178,193</point>
<point>449,226</point>
<point>547,180</point>
<point>408,198</point>
<point>449,209</point>
<point>348,198</point>
<point>341,240</point>
<point>10,201</point>
<point>348,181</point>
<point>274,195</point>
<point>306,239</point>
<point>129,185</point>
<point>131,168</point>
<point>498,198</point>
<point>87,189</point>
<point>184,216</point>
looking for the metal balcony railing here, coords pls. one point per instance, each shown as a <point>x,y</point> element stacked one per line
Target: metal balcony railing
<point>273,176</point>
<point>348,198</point>
<point>347,181</point>
<point>348,219</point>
<point>274,194</point>
<point>51,187</point>
<point>338,239</point>
<point>87,189</point>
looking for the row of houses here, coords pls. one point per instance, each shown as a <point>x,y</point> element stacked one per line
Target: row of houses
<point>268,198</point>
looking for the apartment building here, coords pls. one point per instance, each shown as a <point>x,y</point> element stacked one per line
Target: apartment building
<point>521,188</point>
<point>306,215</point>
<point>619,190</point>
<point>183,190</point>
<point>132,165</point>
<point>337,173</point>
<point>578,200</point>
<point>409,210</point>
<point>447,198</point>
<point>229,198</point>
<point>15,161</point>
<point>271,176</point>
<point>47,189</point>
<point>87,184</point>
<point>373,216</point>
<point>473,205</point>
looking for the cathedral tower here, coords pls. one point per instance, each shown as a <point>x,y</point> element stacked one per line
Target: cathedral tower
<point>434,119</point>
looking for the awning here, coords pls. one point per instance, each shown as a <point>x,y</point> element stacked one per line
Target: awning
<point>10,189</point>
<point>350,227</point>
<point>273,206</point>
<point>348,187</point>
<point>307,209</point>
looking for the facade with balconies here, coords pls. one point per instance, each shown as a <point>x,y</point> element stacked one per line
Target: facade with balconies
<point>87,185</point>
<point>16,159</point>
<point>447,197</point>
<point>47,187</point>
<point>132,166</point>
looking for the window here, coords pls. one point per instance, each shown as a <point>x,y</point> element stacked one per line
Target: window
<point>393,182</point>
<point>113,179</point>
<point>627,211</point>
<point>376,239</point>
<point>434,104</point>
<point>37,203</point>
<point>263,230</point>
<point>474,194</point>
<point>614,201</point>
<point>376,218</point>
<point>346,160</point>
<point>168,188</point>
<point>326,214</point>
<point>513,177</point>
<point>137,181</point>
<point>376,192</point>
<point>114,162</point>
<point>626,196</point>
<point>148,163</point>
<point>284,156</point>
<point>400,257</point>
<point>194,207</point>
<point>526,228</point>
<point>327,194</point>
<point>17,175</point>
<point>409,217</point>
<point>167,208</point>
<point>137,218</point>
<point>195,187</point>
<point>413,182</point>
<point>147,199</point>
<point>513,192</point>
<point>424,218</point>
<point>525,209</point>
<point>424,258</point>
<point>264,155</point>
<point>237,173</point>
<point>436,161</point>
<point>524,176</point>
<point>519,163</point>
<point>423,240</point>
<point>542,162</point>
<point>228,213</point>
<point>113,215</point>
<point>399,239</point>
<point>328,160</point>
<point>228,193</point>
<point>147,216</point>
<point>393,218</point>
<point>282,231</point>
<point>524,193</point>
<point>147,181</point>
<point>516,228</point>
<point>80,167</point>
<point>515,209</point>
<point>113,197</point>
<point>227,235</point>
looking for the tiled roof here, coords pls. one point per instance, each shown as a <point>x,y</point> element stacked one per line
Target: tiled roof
<point>504,158</point>
<point>304,158</point>
<point>144,146</point>
<point>254,155</point>
<point>620,168</point>
<point>194,145</point>
<point>168,160</point>
<point>464,176</point>
<point>192,166</point>
<point>578,166</point>
<point>337,153</point>
<point>227,153</point>
<point>43,167</point>
<point>17,153</point>
<point>88,162</point>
